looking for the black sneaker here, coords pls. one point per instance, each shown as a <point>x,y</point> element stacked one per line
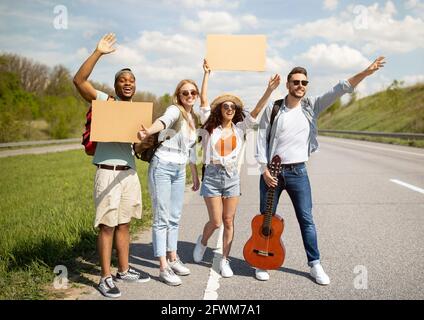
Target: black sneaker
<point>132,275</point>
<point>108,289</point>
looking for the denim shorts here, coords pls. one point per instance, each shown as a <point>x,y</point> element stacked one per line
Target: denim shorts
<point>217,182</point>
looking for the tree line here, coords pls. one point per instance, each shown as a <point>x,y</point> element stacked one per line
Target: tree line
<point>31,92</point>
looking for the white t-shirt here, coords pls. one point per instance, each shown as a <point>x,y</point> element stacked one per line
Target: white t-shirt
<point>292,138</point>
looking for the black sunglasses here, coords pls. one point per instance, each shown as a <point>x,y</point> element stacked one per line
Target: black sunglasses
<point>303,82</point>
<point>185,93</point>
<point>227,106</point>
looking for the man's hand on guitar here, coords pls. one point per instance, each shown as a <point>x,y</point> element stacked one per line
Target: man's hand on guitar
<point>270,181</point>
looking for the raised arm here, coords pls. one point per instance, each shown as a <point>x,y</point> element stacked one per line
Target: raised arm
<point>273,83</point>
<point>81,82</point>
<point>204,91</point>
<point>373,67</point>
<point>325,100</point>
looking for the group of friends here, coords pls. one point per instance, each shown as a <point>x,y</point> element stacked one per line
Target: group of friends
<point>223,123</point>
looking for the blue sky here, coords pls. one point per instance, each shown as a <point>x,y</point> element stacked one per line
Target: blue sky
<point>164,41</point>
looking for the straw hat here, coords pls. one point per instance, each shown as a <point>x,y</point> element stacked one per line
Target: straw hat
<point>226,97</point>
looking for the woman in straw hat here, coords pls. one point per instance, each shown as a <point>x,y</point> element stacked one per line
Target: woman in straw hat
<point>222,141</point>
<point>167,173</point>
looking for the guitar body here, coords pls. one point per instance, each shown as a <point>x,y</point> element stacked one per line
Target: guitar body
<point>264,249</point>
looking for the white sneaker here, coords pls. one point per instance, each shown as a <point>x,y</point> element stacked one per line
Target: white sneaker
<point>178,267</point>
<point>261,275</point>
<point>108,289</point>
<point>317,272</point>
<point>169,277</point>
<point>225,269</point>
<point>199,250</point>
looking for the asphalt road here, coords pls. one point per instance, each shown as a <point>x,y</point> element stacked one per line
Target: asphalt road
<point>368,206</point>
<point>40,150</point>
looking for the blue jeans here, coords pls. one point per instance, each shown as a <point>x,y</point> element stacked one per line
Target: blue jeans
<point>166,186</point>
<point>295,180</point>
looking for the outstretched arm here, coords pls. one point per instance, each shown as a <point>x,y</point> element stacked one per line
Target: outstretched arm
<point>204,91</point>
<point>81,82</point>
<point>273,83</point>
<point>347,86</point>
<point>144,133</point>
<point>373,67</point>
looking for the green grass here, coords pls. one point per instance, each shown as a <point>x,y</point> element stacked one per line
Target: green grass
<point>397,111</point>
<point>46,218</point>
<point>402,142</point>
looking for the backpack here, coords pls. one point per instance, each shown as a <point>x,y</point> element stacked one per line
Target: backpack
<point>90,146</point>
<point>147,149</point>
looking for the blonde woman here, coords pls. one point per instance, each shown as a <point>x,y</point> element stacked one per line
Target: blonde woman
<point>167,172</point>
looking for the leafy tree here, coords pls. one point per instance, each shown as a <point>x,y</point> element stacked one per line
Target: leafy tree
<point>32,76</point>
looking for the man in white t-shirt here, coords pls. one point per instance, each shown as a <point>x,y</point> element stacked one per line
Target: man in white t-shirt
<point>293,137</point>
<point>117,192</point>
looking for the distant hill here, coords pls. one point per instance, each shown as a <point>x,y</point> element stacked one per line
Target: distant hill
<point>396,109</point>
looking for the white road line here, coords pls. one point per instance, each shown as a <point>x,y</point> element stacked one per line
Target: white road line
<point>379,148</point>
<point>409,186</point>
<point>211,291</point>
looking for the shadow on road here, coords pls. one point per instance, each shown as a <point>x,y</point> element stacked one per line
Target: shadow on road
<point>142,254</point>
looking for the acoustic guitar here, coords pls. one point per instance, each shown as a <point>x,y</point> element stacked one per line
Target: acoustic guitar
<point>264,249</point>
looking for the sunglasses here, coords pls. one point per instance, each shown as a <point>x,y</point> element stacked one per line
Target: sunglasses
<point>228,106</point>
<point>303,82</point>
<point>186,93</point>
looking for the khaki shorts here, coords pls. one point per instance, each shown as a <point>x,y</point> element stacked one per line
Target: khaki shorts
<point>117,197</point>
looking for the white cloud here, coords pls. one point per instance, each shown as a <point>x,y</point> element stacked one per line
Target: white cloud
<point>372,28</point>
<point>160,60</point>
<point>205,3</point>
<point>128,55</point>
<point>416,7</point>
<point>82,53</point>
<point>212,22</point>
<point>413,79</point>
<point>334,58</point>
<point>277,64</point>
<point>330,4</point>
<point>249,20</point>
<point>219,22</point>
<point>175,44</point>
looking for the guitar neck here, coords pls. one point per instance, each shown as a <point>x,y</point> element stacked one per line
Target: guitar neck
<point>269,205</point>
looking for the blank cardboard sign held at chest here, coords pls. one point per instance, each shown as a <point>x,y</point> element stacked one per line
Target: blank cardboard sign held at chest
<point>119,121</point>
<point>236,52</point>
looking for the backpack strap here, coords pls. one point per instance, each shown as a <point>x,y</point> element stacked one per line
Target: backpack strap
<point>184,115</point>
<point>275,108</point>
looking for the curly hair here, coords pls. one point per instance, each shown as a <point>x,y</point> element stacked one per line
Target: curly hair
<point>215,118</point>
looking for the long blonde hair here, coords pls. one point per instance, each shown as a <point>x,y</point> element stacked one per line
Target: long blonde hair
<point>177,101</point>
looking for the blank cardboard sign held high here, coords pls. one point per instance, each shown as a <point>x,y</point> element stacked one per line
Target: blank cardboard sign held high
<point>236,52</point>
<point>119,121</point>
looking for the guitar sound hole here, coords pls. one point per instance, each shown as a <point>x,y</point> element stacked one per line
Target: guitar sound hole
<point>266,231</point>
